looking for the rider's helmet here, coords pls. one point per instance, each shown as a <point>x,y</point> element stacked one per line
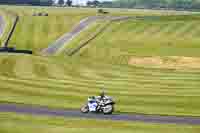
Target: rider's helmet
<point>102,94</point>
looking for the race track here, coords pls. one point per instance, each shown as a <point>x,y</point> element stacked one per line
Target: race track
<point>34,110</point>
<point>2,26</point>
<point>83,24</point>
<point>55,46</point>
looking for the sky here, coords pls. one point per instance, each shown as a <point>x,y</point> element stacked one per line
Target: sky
<point>83,2</point>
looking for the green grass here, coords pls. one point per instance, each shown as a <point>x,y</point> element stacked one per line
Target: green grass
<point>64,82</point>
<point>12,123</point>
<point>54,83</point>
<point>167,36</point>
<point>83,37</point>
<point>8,18</point>
<point>36,33</point>
<point>50,29</point>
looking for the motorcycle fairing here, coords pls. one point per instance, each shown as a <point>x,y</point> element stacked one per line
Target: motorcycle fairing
<point>92,106</point>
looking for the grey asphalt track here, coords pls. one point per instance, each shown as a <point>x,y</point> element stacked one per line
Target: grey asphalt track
<point>2,26</point>
<point>83,24</point>
<point>34,110</point>
<point>55,46</point>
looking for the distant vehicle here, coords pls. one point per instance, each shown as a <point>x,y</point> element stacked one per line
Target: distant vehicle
<point>99,104</point>
<point>101,11</point>
<point>40,14</point>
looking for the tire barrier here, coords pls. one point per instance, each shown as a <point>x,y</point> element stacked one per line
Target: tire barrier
<point>13,50</point>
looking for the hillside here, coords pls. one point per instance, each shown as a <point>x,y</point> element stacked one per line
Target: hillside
<point>159,36</point>
<point>6,22</point>
<point>66,82</point>
<point>37,32</point>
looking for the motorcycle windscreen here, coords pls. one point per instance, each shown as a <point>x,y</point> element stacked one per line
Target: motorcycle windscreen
<point>92,106</point>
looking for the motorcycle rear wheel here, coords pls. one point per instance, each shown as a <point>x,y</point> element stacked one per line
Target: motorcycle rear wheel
<point>108,109</point>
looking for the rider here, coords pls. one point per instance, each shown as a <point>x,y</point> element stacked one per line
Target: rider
<point>99,98</point>
<point>102,95</point>
<point>97,101</point>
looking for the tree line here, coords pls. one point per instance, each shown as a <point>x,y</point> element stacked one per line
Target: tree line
<point>166,4</point>
<point>27,2</point>
<point>163,4</point>
<point>35,2</point>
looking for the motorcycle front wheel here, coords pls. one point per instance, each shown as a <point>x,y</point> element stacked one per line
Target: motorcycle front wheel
<point>85,109</point>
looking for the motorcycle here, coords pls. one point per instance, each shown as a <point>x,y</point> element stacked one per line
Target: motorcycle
<point>98,105</point>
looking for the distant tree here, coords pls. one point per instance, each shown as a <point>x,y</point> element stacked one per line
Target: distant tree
<point>96,2</point>
<point>35,2</point>
<point>61,2</point>
<point>46,2</point>
<point>171,4</point>
<point>69,2</point>
<point>89,3</point>
<point>106,4</point>
<point>29,2</point>
<point>93,3</point>
<point>195,4</point>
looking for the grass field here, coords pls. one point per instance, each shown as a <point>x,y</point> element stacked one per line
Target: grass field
<point>164,36</point>
<point>81,39</point>
<point>36,32</point>
<point>25,79</point>
<point>12,123</point>
<point>65,82</point>
<point>8,18</point>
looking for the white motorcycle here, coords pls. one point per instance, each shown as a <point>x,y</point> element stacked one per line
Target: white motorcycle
<point>98,105</point>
